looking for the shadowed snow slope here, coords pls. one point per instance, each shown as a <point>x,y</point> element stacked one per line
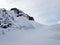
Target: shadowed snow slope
<point>22,31</point>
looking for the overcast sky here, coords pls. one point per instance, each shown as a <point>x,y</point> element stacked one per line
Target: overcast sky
<point>44,11</point>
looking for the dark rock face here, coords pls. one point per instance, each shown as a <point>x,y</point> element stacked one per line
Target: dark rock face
<point>31,18</point>
<point>3,26</point>
<point>24,15</point>
<point>6,26</point>
<point>9,25</point>
<point>19,15</point>
<point>4,10</point>
<point>16,10</point>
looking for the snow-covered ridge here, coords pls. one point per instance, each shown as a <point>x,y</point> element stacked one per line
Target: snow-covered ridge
<point>15,19</point>
<point>9,16</point>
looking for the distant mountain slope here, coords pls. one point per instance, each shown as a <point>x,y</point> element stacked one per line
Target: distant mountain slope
<point>55,27</point>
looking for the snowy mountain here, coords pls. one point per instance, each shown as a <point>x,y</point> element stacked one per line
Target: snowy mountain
<point>18,28</point>
<point>16,19</point>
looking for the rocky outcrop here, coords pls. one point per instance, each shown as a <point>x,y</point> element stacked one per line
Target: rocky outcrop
<point>21,13</point>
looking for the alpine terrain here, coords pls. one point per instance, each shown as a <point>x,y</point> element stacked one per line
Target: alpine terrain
<point>18,28</point>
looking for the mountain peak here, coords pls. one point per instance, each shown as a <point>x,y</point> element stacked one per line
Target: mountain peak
<point>8,16</point>
<point>15,19</point>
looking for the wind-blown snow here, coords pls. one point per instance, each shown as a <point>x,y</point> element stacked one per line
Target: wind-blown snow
<point>28,32</point>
